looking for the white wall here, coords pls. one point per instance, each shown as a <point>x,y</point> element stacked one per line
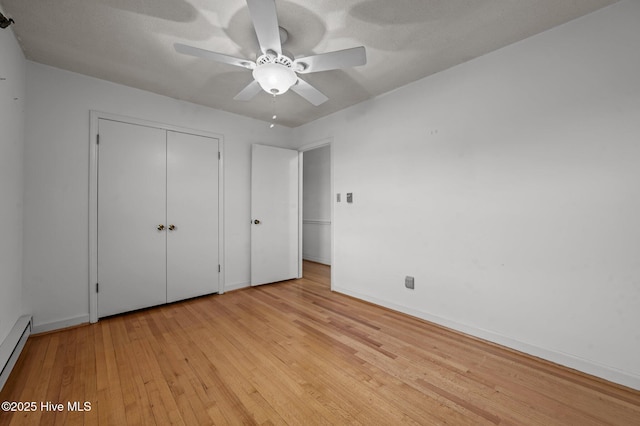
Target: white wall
<point>509,187</point>
<point>12,116</point>
<point>316,223</point>
<point>57,182</point>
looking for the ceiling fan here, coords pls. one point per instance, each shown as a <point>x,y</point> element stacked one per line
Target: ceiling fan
<point>274,71</point>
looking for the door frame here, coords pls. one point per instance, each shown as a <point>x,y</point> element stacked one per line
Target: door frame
<point>94,117</point>
<point>328,141</point>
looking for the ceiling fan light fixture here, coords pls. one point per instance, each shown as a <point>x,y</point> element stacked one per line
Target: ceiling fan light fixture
<point>274,78</point>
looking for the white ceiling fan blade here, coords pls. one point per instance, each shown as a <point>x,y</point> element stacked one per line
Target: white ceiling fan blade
<point>248,92</point>
<point>218,57</point>
<point>332,60</point>
<point>309,92</point>
<point>265,21</point>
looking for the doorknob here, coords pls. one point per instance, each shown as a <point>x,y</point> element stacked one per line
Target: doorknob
<point>172,227</point>
<point>257,222</point>
<point>160,227</point>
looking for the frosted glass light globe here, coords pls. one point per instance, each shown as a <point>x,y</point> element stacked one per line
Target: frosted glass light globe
<point>274,79</point>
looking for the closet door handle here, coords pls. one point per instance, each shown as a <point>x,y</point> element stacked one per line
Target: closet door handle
<point>160,227</point>
<point>172,227</point>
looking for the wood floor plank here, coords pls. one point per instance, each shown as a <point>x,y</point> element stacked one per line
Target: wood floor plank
<point>296,353</point>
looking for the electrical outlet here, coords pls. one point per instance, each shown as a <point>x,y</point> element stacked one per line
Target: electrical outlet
<point>338,197</point>
<point>409,282</point>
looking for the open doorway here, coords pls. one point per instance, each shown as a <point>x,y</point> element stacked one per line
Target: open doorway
<point>316,202</point>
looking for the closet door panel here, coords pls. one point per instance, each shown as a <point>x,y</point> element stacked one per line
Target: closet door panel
<point>131,206</point>
<point>192,212</point>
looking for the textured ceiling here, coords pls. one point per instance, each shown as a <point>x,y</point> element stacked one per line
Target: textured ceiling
<point>131,42</point>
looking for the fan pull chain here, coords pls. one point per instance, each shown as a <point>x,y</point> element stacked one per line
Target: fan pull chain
<point>274,115</point>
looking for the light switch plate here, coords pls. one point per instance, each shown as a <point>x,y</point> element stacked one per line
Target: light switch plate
<point>349,197</point>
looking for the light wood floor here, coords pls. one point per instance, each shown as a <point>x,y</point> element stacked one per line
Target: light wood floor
<point>295,353</point>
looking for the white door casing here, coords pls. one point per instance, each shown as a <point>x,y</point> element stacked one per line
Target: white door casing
<point>192,212</point>
<point>131,206</point>
<point>313,145</point>
<point>275,214</point>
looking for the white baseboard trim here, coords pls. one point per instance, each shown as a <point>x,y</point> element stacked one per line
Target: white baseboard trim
<point>236,286</point>
<point>593,368</point>
<point>12,345</point>
<point>56,325</point>
<point>322,260</point>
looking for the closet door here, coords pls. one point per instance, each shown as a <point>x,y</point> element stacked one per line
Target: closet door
<point>192,216</point>
<point>131,209</point>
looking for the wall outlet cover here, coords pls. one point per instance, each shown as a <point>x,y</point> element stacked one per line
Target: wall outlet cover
<point>409,282</point>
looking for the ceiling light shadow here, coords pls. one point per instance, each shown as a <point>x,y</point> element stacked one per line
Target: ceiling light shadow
<point>400,12</point>
<point>170,10</point>
<point>408,24</point>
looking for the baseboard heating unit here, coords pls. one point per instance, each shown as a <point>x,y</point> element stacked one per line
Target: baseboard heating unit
<point>12,346</point>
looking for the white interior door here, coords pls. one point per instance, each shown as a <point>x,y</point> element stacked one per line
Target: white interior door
<point>274,214</point>
<point>131,208</point>
<point>192,216</point>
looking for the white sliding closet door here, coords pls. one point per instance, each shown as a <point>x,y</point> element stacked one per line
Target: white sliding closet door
<point>192,216</point>
<point>131,206</point>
